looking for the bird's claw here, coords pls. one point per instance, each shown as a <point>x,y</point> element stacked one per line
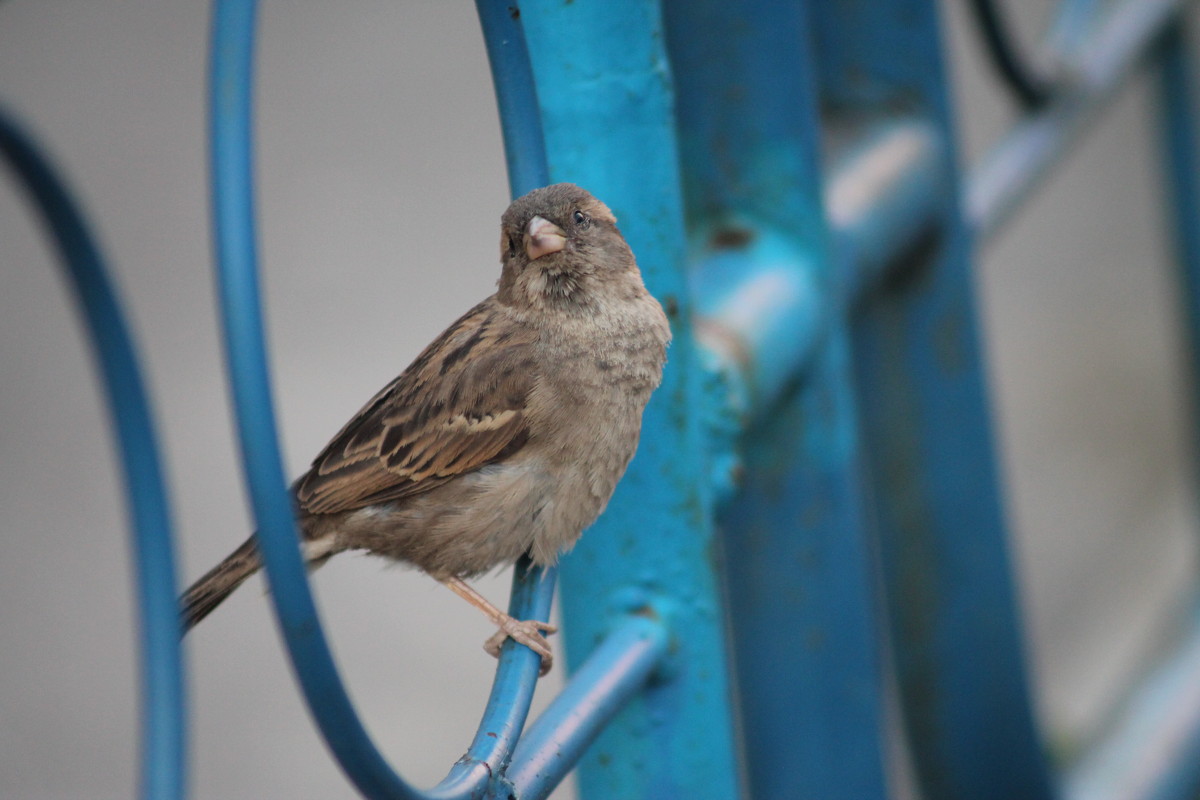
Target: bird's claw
<point>528,632</point>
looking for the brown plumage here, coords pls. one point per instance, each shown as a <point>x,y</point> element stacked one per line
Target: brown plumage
<point>508,433</point>
<point>457,407</point>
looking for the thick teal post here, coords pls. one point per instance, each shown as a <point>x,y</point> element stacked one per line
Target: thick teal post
<point>794,534</point>
<point>604,86</point>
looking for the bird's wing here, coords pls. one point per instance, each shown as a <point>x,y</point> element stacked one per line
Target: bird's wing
<point>459,406</point>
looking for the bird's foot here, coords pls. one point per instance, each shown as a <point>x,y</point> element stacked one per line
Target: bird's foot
<point>528,632</point>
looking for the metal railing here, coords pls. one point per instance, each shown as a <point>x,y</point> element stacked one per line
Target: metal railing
<point>786,173</point>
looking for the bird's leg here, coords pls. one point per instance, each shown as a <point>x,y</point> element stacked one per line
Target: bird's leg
<point>528,632</point>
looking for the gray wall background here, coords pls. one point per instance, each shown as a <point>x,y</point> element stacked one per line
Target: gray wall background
<point>381,184</point>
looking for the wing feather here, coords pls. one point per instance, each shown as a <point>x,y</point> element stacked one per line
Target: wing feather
<point>458,407</point>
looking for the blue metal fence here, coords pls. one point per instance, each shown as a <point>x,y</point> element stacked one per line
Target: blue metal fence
<point>818,464</point>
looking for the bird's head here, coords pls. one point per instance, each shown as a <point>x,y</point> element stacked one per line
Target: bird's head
<point>559,245</point>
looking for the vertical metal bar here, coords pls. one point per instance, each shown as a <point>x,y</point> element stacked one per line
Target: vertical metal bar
<point>800,596</point>
<point>806,646</point>
<point>958,652</point>
<point>603,83</point>
<point>1181,176</point>
<point>163,757</point>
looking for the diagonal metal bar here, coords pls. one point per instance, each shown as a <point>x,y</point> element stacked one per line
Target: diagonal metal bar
<point>163,760</point>
<point>1149,750</point>
<point>1149,753</point>
<point>1017,165</point>
<point>882,196</point>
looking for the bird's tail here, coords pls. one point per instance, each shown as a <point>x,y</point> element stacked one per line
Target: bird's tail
<point>218,583</point>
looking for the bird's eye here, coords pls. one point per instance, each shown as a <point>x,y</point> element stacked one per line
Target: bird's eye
<point>580,218</point>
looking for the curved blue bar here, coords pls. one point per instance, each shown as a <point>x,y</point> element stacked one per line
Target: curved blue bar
<point>612,674</point>
<point>162,712</point>
<point>512,692</point>
<point>233,35</point>
<point>532,588</point>
<point>1031,89</point>
<point>516,95</point>
<point>233,215</point>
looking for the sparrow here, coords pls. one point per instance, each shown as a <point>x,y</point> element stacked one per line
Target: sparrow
<point>507,435</point>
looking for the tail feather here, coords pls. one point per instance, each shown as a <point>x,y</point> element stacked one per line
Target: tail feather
<point>218,583</point>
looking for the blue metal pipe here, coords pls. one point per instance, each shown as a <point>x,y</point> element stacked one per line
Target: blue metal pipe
<point>605,89</point>
<point>770,308</point>
<point>245,352</point>
<point>233,36</point>
<point>882,192</point>
<point>760,312</point>
<point>940,539</point>
<point>512,692</point>
<point>516,94</point>
<point>1015,166</point>
<point>615,671</point>
<point>163,759</point>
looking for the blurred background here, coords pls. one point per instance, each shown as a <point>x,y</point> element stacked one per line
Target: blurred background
<point>381,182</point>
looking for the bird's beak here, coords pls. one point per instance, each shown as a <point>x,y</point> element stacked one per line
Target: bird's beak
<point>543,237</point>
